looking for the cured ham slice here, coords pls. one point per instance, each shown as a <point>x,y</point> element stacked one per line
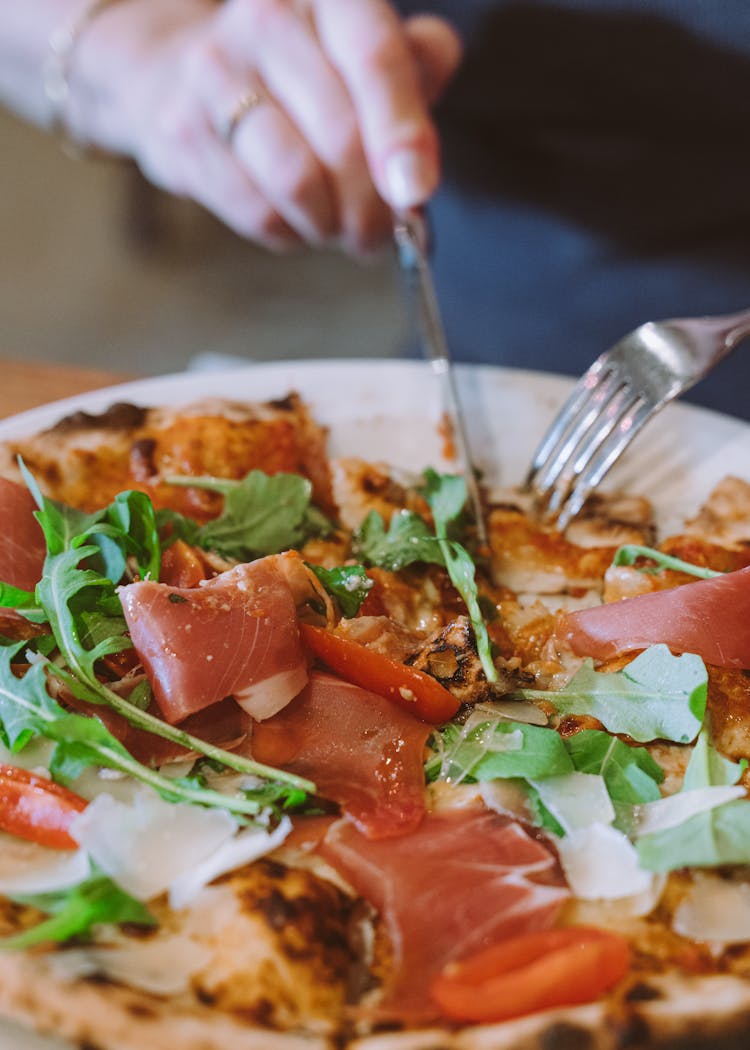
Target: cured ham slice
<point>22,546</point>
<point>223,724</point>
<point>235,635</point>
<point>461,882</point>
<point>359,748</point>
<point>708,617</point>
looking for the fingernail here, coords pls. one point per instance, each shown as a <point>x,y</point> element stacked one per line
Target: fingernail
<point>410,178</point>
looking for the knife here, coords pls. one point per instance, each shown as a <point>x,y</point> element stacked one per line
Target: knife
<point>410,234</point>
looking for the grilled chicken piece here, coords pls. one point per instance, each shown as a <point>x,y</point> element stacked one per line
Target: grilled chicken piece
<point>531,557</point>
<point>628,581</point>
<point>729,707</point>
<point>360,487</point>
<point>451,656</point>
<point>725,516</point>
<point>612,519</point>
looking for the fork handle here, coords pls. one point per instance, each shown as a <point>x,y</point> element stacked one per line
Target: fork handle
<point>729,329</point>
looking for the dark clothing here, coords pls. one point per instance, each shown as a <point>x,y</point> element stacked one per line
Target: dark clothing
<point>597,175</point>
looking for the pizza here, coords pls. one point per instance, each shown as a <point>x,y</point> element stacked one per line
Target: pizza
<point>290,761</point>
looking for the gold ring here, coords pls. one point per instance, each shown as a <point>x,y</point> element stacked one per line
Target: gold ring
<point>247,102</point>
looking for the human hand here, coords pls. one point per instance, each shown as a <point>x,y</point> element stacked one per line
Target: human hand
<point>338,129</point>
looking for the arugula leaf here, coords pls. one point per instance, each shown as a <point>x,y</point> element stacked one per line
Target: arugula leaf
<point>630,773</point>
<point>262,514</point>
<point>446,495</point>
<point>657,696</point>
<point>408,539</point>
<point>60,523</point>
<point>127,528</point>
<point>15,598</point>
<point>708,768</point>
<point>25,705</point>
<point>70,596</point>
<point>74,912</point>
<point>493,748</point>
<point>490,748</point>
<point>348,584</point>
<point>175,526</point>
<point>629,554</point>
<point>462,572</point>
<point>709,839</point>
<point>715,836</point>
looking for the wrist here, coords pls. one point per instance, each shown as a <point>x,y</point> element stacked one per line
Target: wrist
<point>112,64</point>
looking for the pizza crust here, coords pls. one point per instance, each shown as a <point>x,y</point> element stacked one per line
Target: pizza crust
<point>700,1013</point>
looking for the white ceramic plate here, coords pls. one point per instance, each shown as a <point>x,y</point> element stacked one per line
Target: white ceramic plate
<point>389,411</point>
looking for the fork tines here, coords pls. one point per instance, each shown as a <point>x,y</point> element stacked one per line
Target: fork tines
<point>595,424</point>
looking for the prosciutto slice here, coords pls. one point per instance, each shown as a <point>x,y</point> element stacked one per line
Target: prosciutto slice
<point>235,635</point>
<point>359,748</point>
<point>708,617</point>
<point>22,546</point>
<point>461,882</point>
<point>223,724</point>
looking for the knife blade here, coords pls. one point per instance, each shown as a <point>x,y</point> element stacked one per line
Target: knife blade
<point>411,237</point>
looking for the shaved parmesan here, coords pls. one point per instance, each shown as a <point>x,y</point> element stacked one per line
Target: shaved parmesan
<point>576,800</point>
<point>612,913</point>
<point>247,846</point>
<point>714,909</point>
<point>676,809</point>
<point>27,868</point>
<point>600,863</point>
<point>506,796</point>
<point>266,698</point>
<point>144,846</point>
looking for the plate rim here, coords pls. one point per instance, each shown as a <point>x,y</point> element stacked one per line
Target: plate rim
<point>319,381</point>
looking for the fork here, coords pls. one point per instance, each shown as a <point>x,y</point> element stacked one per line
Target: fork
<point>616,397</point>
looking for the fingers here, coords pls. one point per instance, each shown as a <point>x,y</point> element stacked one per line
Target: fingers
<point>266,143</point>
<point>327,164</point>
<point>221,185</point>
<point>437,50</point>
<point>186,155</point>
<point>337,131</point>
<point>302,78</point>
<point>369,47</point>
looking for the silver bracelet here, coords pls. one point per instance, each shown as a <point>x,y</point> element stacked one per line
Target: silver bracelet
<point>56,74</point>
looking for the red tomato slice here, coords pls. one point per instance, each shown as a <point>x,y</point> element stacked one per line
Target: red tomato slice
<point>708,617</point>
<point>536,971</point>
<point>416,691</point>
<point>37,809</point>
<point>181,566</point>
